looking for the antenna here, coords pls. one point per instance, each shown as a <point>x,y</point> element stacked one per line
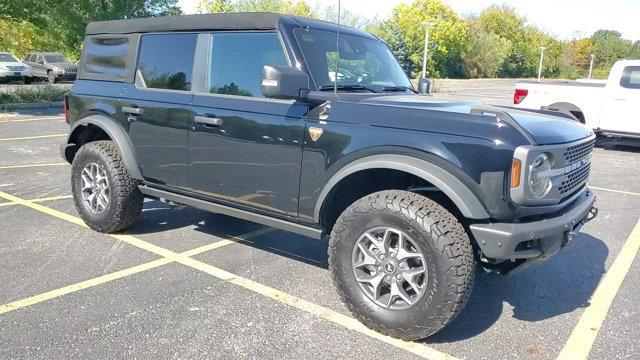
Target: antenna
<point>335,77</point>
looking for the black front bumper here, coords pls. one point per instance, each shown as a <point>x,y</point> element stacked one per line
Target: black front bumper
<point>538,240</point>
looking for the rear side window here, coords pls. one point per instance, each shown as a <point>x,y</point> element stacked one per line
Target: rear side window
<point>105,56</point>
<point>166,61</point>
<point>631,77</point>
<point>237,60</point>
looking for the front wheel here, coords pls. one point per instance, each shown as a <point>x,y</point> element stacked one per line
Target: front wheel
<point>402,264</point>
<point>106,197</point>
<point>51,77</point>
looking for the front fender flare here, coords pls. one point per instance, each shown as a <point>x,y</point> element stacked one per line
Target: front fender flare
<point>454,188</point>
<point>117,134</point>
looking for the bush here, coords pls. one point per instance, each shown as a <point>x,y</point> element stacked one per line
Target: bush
<point>38,94</point>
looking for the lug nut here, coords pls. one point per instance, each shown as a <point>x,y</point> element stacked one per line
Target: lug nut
<point>398,277</point>
<point>387,278</point>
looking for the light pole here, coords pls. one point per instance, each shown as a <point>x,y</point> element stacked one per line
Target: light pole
<point>542,49</point>
<point>426,46</point>
<point>591,65</point>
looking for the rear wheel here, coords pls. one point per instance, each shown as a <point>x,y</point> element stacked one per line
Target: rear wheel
<point>402,264</point>
<point>106,197</point>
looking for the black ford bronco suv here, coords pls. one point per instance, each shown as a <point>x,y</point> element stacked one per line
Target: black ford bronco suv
<point>314,128</point>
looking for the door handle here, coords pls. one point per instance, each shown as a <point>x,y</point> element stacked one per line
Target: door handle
<point>132,110</point>
<point>208,121</point>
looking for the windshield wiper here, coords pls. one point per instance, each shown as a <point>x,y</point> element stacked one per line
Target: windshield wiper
<point>398,88</point>
<point>347,87</point>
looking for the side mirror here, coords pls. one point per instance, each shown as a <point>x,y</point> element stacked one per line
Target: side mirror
<point>424,86</point>
<point>41,62</point>
<point>284,82</point>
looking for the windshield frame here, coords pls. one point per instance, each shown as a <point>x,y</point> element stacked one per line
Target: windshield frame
<point>15,59</point>
<point>317,85</point>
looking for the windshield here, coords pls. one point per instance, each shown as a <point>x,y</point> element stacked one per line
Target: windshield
<point>5,57</point>
<point>364,64</point>
<point>56,58</point>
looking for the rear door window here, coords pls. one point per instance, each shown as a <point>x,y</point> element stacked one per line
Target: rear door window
<point>237,60</point>
<point>105,56</point>
<point>165,61</point>
<point>631,77</point>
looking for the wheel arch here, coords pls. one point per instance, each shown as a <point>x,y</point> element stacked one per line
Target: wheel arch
<point>97,127</point>
<point>466,202</point>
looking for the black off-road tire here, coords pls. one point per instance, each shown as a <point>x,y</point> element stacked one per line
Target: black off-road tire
<point>126,200</point>
<point>447,251</point>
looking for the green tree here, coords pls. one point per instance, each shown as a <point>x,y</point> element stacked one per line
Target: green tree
<point>446,42</point>
<point>610,47</point>
<point>485,52</point>
<point>66,20</point>
<point>214,6</point>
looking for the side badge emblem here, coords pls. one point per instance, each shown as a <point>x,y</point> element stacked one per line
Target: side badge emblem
<point>315,133</point>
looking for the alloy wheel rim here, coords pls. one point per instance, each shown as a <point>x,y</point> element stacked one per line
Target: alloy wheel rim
<point>96,193</point>
<point>389,268</point>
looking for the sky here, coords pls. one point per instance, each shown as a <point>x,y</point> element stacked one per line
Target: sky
<point>565,19</point>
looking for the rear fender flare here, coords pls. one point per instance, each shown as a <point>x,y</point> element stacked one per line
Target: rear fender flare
<point>117,134</point>
<point>454,188</point>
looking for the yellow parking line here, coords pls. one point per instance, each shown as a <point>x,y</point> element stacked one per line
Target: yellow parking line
<point>33,119</point>
<point>122,273</point>
<point>32,165</point>
<point>52,198</point>
<point>615,191</point>
<point>82,285</point>
<point>584,334</point>
<point>317,310</point>
<point>34,137</point>
<point>282,297</point>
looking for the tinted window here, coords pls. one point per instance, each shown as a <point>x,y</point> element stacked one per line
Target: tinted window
<point>54,58</point>
<point>107,56</point>
<point>237,60</point>
<point>631,77</point>
<point>166,61</point>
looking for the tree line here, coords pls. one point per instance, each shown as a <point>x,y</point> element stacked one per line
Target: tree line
<point>498,42</point>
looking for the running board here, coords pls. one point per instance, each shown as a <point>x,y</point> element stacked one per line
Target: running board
<point>230,211</point>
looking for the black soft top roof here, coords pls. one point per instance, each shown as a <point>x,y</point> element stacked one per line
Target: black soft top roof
<point>206,22</point>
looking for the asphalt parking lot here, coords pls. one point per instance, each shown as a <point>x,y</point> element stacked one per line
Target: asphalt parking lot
<point>191,284</point>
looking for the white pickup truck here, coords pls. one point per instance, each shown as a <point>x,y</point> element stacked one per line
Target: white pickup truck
<point>611,108</point>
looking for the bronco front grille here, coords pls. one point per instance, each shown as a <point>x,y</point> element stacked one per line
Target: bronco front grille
<point>575,152</point>
<point>577,166</point>
<point>16,68</point>
<point>575,179</point>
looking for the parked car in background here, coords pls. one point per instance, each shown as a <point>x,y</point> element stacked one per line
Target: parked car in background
<point>51,66</point>
<point>609,107</point>
<point>13,69</point>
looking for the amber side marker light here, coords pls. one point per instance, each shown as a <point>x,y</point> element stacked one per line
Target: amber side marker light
<point>515,173</point>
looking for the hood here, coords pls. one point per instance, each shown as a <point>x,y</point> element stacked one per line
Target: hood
<point>65,65</point>
<point>16,63</point>
<point>543,128</point>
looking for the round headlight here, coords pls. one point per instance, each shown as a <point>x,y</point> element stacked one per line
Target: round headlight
<point>539,185</point>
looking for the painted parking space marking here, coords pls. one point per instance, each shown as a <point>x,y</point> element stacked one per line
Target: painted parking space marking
<point>584,334</point>
<point>615,191</point>
<point>44,199</point>
<point>24,166</point>
<point>46,118</point>
<point>82,285</point>
<point>274,294</point>
<point>32,300</point>
<point>34,137</point>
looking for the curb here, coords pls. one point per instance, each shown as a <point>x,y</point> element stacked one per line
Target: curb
<point>31,105</point>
